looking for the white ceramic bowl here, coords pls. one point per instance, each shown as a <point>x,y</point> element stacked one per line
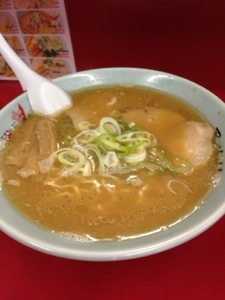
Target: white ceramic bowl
<point>18,227</point>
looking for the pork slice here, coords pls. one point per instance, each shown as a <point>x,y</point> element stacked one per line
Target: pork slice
<point>192,141</point>
<point>47,138</point>
<point>17,156</point>
<point>31,165</point>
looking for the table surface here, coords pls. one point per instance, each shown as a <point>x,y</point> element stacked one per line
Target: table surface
<point>187,39</point>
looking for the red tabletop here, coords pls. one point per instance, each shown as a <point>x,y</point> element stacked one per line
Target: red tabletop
<point>182,37</point>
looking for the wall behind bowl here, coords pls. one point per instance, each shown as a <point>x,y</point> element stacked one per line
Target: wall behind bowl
<point>185,37</point>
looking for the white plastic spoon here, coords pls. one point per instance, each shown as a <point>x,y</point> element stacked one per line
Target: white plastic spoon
<point>44,96</point>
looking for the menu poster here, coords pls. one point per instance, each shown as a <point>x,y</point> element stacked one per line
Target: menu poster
<point>38,32</point>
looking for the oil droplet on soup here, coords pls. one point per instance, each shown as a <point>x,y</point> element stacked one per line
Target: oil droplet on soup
<point>118,205</point>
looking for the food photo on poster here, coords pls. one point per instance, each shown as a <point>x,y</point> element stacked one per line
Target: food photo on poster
<point>38,32</point>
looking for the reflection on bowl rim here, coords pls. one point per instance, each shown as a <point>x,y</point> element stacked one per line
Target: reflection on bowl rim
<point>18,227</point>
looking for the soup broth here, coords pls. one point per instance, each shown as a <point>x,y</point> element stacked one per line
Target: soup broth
<point>116,205</point>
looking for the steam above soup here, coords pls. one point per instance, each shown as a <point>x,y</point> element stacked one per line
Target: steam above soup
<point>121,163</point>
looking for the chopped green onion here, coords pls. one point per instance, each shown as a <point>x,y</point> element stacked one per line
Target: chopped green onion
<point>111,159</point>
<point>86,171</point>
<point>116,147</point>
<point>110,125</point>
<point>136,157</point>
<point>72,158</point>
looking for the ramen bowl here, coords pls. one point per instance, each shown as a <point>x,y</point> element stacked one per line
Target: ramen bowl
<point>17,226</point>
